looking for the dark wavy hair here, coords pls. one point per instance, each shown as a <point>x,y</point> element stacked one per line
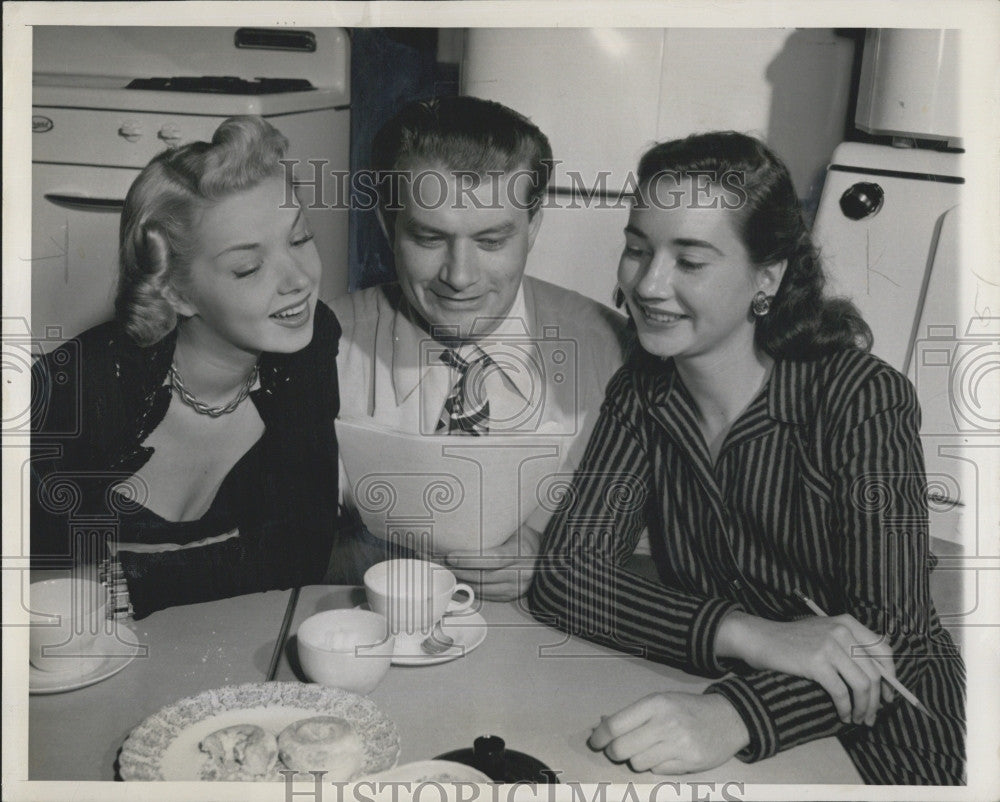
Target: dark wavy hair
<point>163,206</point>
<point>461,133</point>
<point>802,323</point>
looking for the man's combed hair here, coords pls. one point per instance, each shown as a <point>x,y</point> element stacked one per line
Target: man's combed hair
<point>802,323</point>
<point>163,205</point>
<point>462,134</point>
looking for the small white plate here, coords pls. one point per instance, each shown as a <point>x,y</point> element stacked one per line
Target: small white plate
<point>430,771</point>
<point>112,654</point>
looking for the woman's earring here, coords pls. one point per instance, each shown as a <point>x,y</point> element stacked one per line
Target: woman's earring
<point>761,304</point>
<point>618,297</point>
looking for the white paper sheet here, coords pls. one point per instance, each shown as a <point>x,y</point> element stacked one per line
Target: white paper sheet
<point>440,492</point>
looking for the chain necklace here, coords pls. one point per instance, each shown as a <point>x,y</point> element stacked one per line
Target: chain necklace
<point>198,406</point>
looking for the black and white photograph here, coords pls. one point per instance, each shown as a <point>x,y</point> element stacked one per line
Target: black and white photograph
<point>496,401</point>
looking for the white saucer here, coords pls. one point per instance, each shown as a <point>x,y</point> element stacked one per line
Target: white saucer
<point>468,629</point>
<point>111,656</point>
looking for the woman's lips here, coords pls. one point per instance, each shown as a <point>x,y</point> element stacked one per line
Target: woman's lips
<point>660,317</point>
<point>293,316</point>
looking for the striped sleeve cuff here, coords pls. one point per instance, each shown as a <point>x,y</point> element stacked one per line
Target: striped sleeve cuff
<point>701,639</point>
<point>763,734</point>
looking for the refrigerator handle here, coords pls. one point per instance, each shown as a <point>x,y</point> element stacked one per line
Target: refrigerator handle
<point>83,202</point>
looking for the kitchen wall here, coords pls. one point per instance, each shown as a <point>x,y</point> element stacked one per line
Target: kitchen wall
<point>604,95</point>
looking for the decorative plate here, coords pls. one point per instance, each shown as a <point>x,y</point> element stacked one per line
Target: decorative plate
<point>165,745</point>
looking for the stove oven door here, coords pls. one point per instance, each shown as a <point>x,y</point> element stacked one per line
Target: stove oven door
<point>74,247</point>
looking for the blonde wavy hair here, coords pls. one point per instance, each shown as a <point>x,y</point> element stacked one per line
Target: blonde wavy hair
<point>163,205</point>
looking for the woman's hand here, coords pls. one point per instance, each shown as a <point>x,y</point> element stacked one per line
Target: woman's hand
<point>672,733</point>
<point>838,652</point>
<point>502,573</point>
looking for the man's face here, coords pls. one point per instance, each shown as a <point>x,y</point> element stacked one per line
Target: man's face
<point>461,250</point>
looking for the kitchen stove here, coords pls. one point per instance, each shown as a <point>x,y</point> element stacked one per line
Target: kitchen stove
<point>94,128</point>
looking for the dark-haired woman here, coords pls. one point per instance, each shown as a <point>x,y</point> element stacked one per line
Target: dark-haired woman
<point>769,455</point>
<point>194,455</point>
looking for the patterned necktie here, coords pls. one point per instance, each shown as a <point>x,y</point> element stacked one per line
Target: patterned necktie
<point>466,410</point>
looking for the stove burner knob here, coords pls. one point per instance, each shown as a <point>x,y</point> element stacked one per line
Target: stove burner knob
<point>171,134</point>
<point>862,200</point>
<point>131,130</point>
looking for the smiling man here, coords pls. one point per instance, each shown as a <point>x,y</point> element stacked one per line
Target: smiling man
<point>461,183</point>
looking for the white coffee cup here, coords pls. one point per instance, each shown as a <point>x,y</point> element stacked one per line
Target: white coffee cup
<point>414,595</point>
<point>67,616</point>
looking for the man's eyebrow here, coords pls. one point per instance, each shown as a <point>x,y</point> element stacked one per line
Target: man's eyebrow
<point>250,246</point>
<point>416,227</point>
<point>638,232</point>
<point>502,228</point>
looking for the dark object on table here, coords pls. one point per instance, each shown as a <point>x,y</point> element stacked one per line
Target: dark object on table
<point>490,755</point>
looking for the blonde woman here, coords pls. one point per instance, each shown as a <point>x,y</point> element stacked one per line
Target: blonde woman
<point>205,410</point>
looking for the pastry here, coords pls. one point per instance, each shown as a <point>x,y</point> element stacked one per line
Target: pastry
<point>322,743</point>
<point>240,752</point>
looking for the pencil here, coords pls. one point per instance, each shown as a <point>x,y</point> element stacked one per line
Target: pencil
<point>895,683</point>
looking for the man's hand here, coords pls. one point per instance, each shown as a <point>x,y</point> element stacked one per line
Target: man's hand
<point>672,733</point>
<point>839,653</point>
<point>502,573</point>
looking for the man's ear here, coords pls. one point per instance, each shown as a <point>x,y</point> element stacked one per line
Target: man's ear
<point>384,225</point>
<point>533,225</point>
<point>769,276</point>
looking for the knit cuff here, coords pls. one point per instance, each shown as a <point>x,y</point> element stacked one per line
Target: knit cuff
<point>763,734</point>
<point>703,630</point>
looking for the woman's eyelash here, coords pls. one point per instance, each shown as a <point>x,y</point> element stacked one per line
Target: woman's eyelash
<point>247,272</point>
<point>303,239</point>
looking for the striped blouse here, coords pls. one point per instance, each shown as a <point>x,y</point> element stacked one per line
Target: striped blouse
<point>819,487</point>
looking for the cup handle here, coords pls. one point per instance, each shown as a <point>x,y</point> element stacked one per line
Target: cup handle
<point>459,606</point>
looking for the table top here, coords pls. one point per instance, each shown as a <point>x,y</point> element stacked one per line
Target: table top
<point>539,690</point>
<point>542,692</point>
<point>76,735</point>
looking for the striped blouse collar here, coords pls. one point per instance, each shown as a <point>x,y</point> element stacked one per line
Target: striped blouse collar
<point>785,399</point>
<point>791,390</point>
